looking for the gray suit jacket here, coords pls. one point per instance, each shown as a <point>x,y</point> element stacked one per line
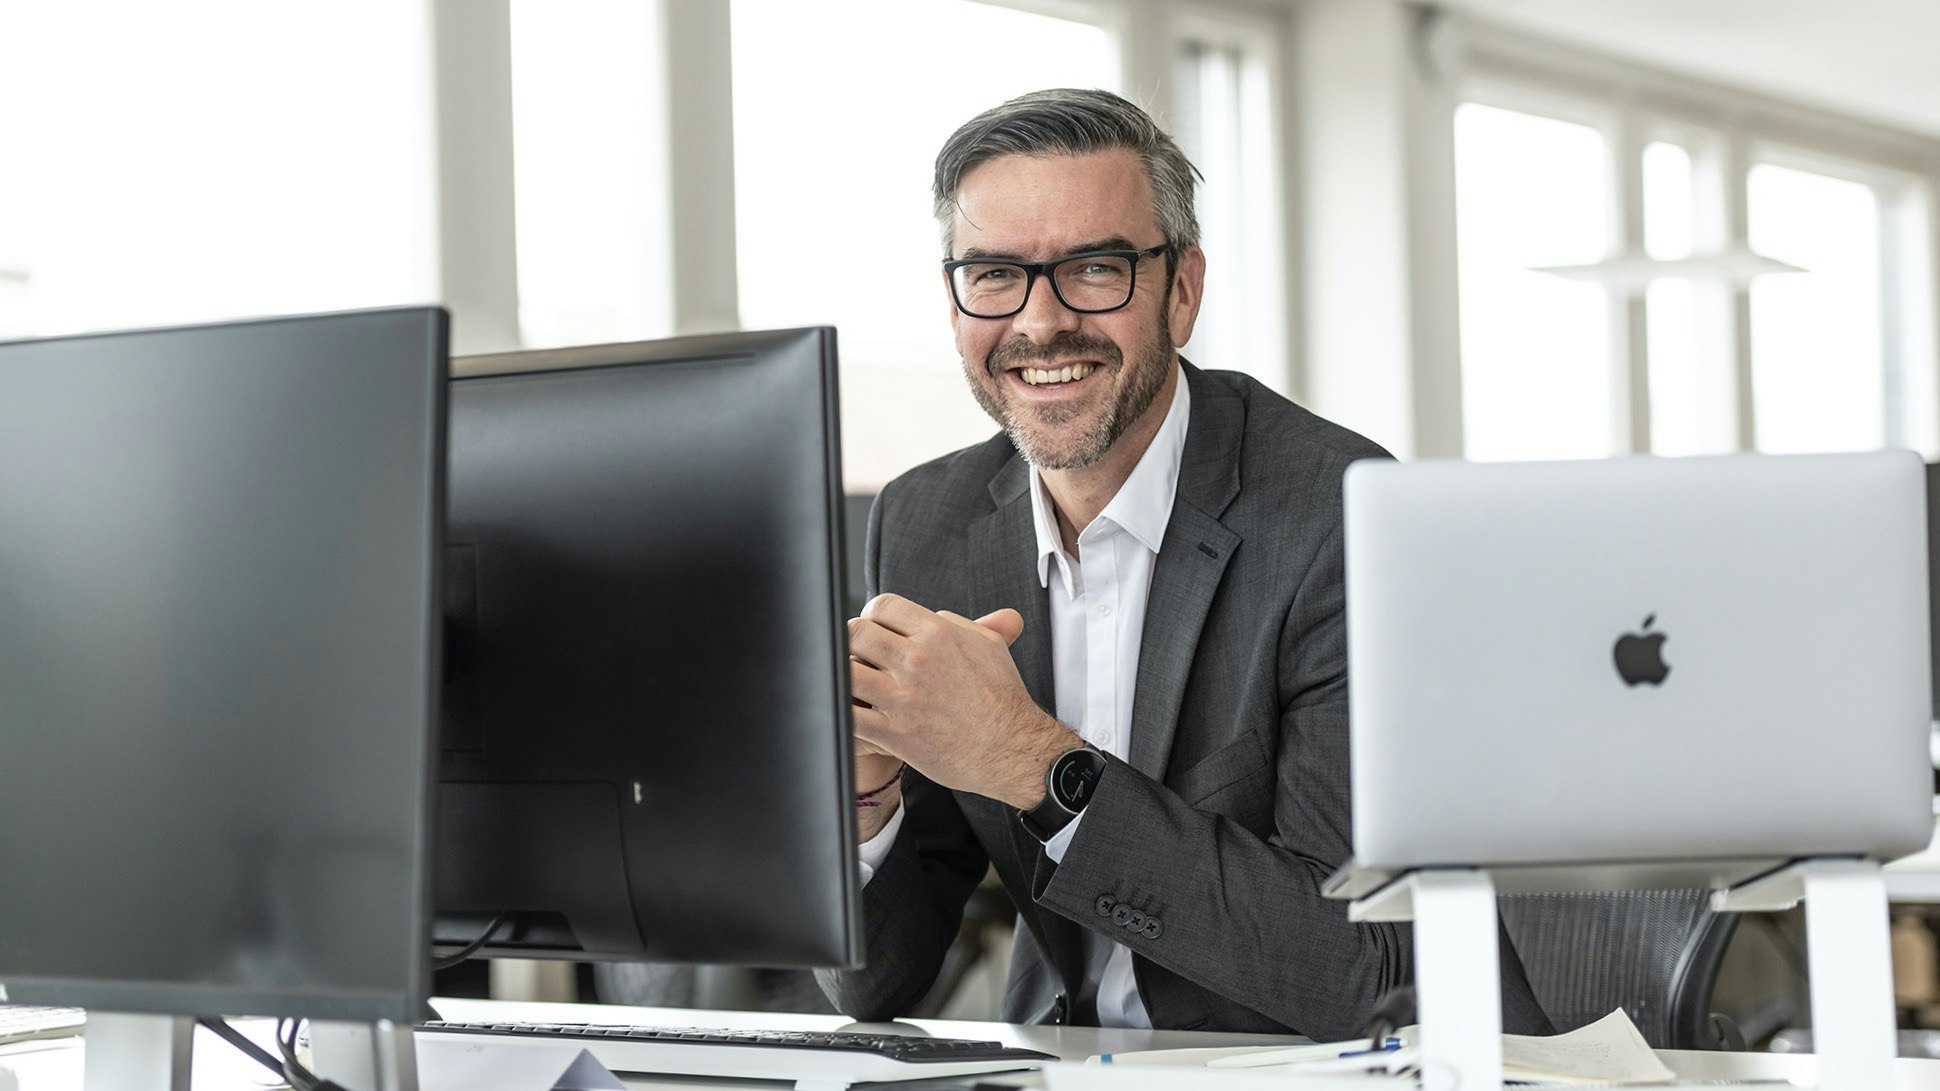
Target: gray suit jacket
<point>1205,853</point>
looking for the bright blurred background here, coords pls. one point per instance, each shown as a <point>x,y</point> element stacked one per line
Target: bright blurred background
<point>1502,229</point>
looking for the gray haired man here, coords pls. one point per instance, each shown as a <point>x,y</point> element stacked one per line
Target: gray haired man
<point>1105,651</point>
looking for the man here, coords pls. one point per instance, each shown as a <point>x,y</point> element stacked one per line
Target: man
<point>1157,763</point>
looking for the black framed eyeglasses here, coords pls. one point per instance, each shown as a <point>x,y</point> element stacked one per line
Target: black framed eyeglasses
<point>1090,283</point>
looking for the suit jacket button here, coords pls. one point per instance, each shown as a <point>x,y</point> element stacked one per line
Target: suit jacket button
<point>1105,905</point>
<point>1136,922</point>
<point>1120,915</point>
<point>1153,929</point>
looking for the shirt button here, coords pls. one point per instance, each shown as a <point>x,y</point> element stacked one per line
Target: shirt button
<point>1104,608</point>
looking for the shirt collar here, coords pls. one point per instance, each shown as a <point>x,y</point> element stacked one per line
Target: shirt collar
<point>1143,504</point>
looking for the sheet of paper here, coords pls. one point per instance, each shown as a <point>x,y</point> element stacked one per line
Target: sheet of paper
<point>1608,1050</point>
<point>480,1063</point>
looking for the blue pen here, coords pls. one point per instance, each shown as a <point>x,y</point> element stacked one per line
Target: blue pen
<point>1387,1046</point>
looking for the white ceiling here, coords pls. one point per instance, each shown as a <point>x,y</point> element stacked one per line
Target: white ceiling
<point>1879,59</point>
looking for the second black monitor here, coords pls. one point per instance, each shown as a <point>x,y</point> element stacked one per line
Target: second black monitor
<point>646,747</point>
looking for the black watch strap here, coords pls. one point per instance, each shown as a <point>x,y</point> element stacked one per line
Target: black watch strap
<point>1068,785</point>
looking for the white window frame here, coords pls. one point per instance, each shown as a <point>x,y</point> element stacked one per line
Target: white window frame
<point>479,273</point>
<point>1728,131</point>
<point>1261,34</point>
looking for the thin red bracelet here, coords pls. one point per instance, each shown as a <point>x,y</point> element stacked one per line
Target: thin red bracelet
<point>868,798</point>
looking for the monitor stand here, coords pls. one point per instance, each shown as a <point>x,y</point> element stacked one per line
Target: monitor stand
<point>1458,984</point>
<point>150,1051</point>
<point>381,1056</point>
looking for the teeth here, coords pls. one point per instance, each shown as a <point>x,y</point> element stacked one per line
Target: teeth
<point>1036,376</point>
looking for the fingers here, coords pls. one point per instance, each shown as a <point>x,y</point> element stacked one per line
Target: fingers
<point>874,645</point>
<point>871,729</point>
<point>866,749</point>
<point>898,614</point>
<point>869,687</point>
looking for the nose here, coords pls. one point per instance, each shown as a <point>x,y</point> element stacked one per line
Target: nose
<point>1044,315</point>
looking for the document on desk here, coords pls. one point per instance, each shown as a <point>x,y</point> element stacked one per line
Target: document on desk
<point>1610,1050</point>
<point>506,1064</point>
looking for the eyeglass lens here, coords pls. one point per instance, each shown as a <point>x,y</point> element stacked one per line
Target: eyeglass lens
<point>994,289</point>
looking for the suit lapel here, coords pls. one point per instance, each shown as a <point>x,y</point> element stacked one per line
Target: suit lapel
<point>1192,559</point>
<point>1002,567</point>
<point>1003,572</point>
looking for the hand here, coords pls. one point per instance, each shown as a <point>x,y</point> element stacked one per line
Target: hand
<point>942,694</point>
<point>875,766</point>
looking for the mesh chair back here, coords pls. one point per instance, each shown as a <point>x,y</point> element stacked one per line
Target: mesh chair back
<point>1654,953</point>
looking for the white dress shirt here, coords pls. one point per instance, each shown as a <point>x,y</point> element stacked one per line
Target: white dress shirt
<point>1097,620</point>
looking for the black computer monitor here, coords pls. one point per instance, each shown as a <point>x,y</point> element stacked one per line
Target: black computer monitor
<point>646,747</point>
<point>218,665</point>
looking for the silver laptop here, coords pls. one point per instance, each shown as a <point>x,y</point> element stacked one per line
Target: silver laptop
<point>1705,666</point>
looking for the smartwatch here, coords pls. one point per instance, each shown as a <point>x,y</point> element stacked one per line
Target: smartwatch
<point>1067,788</point>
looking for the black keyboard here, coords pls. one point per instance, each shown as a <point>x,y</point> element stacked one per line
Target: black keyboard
<point>767,1054</point>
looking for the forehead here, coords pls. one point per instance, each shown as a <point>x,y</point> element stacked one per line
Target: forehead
<point>1042,206</point>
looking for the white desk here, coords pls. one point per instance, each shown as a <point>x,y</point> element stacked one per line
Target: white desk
<point>218,1067</point>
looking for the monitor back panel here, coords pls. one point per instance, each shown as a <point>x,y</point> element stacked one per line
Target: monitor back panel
<point>1495,610</point>
<point>647,725</point>
<point>217,661</point>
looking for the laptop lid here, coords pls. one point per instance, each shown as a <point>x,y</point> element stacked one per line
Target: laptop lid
<point>1638,659</point>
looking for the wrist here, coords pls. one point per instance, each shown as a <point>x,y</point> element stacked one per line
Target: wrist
<point>870,821</point>
<point>870,797</point>
<point>1028,789</point>
<point>1069,784</point>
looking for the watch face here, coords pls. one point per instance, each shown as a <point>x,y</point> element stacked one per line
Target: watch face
<point>1075,775</point>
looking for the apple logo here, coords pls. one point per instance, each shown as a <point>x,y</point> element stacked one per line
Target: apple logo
<point>1640,656</point>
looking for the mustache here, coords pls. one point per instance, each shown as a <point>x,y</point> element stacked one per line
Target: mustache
<point>1022,350</point>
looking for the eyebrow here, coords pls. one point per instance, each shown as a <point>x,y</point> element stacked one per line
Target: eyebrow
<point>1113,242</point>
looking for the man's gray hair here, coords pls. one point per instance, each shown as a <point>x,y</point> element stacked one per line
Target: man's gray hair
<point>1067,121</point>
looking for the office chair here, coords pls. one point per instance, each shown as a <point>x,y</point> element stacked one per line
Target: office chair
<point>1653,953</point>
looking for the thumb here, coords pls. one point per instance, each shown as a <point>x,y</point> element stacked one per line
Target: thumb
<point>1006,623</point>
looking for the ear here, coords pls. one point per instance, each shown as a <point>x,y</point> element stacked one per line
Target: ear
<point>1188,288</point>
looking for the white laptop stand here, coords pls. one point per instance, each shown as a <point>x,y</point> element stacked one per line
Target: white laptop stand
<point>1458,981</point>
<point>1849,959</point>
<point>1458,985</point>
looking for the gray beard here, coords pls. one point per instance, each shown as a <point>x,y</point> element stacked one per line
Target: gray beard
<point>1142,388</point>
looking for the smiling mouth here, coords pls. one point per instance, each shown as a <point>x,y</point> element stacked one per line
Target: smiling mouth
<point>1047,376</point>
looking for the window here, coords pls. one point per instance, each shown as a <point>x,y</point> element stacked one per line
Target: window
<point>832,189</point>
<point>212,159</point>
<point>1691,401</point>
<point>1815,336</point>
<point>1739,274</point>
<point>588,135</point>
<point>1227,124</point>
<point>1531,193</point>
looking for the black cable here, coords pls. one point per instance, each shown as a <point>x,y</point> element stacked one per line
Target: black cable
<point>1395,1010</point>
<point>293,1069</point>
<point>221,1029</point>
<point>471,948</point>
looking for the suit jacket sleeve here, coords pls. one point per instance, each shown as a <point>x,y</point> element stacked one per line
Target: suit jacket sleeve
<point>913,907</point>
<point>1242,915</point>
